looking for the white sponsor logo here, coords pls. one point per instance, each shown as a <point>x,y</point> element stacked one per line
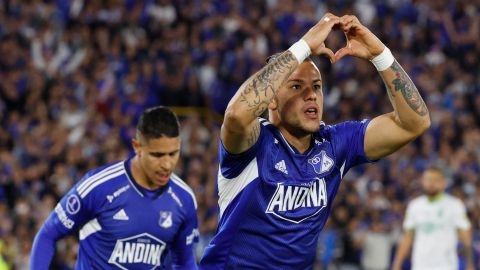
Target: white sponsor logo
<point>68,223</point>
<point>73,204</point>
<point>281,166</point>
<point>141,249</point>
<point>165,220</point>
<point>117,193</point>
<point>121,215</point>
<point>297,203</point>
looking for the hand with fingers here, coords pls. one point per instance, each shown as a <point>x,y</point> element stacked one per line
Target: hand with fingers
<point>315,37</point>
<point>361,42</point>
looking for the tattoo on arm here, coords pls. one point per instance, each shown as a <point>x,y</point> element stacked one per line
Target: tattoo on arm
<point>252,137</point>
<point>409,91</point>
<point>263,86</point>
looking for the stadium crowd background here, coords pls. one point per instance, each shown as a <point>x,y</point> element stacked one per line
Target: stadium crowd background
<point>75,76</point>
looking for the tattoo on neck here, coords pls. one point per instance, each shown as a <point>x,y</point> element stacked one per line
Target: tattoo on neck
<point>263,86</point>
<point>409,91</point>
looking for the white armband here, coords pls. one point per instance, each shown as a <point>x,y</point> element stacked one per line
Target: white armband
<point>300,50</point>
<point>383,60</point>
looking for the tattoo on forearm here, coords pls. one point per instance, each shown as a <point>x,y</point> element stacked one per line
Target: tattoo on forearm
<point>252,137</point>
<point>409,91</point>
<point>265,81</point>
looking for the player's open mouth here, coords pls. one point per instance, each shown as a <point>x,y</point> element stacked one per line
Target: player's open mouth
<point>311,112</point>
<point>162,176</point>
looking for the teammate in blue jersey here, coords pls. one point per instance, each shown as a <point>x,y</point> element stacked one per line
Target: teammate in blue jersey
<point>278,178</point>
<point>132,213</point>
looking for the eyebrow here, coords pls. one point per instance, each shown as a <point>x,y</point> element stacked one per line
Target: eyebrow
<point>301,81</point>
<point>164,153</point>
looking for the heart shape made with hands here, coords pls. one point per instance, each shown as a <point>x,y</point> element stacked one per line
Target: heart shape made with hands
<point>349,37</point>
<point>336,40</point>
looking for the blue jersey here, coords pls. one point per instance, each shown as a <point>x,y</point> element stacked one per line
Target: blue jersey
<point>274,201</point>
<point>120,224</point>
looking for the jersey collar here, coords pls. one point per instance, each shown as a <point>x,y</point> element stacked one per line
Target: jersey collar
<point>153,194</point>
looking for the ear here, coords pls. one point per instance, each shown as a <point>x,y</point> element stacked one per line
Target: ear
<point>272,105</point>
<point>136,146</point>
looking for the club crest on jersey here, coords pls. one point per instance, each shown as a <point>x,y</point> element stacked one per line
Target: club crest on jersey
<point>165,220</point>
<point>138,251</point>
<point>296,203</point>
<point>321,162</point>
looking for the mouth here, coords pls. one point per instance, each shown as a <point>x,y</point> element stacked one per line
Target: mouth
<point>311,113</point>
<point>163,177</point>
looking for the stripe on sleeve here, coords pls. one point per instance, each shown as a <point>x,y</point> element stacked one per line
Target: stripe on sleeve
<point>101,181</point>
<point>105,172</point>
<point>89,228</point>
<point>184,185</point>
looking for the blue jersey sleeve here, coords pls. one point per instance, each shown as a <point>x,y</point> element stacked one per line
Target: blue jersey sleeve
<point>183,257</point>
<point>69,215</point>
<point>349,141</point>
<point>232,164</point>
<point>44,245</point>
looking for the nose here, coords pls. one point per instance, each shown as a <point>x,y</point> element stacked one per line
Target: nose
<point>166,163</point>
<point>310,94</point>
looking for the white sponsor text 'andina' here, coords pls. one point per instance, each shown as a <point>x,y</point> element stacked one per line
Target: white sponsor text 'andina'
<point>288,198</point>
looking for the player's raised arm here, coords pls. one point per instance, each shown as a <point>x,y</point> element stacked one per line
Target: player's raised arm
<point>240,129</point>
<point>410,118</point>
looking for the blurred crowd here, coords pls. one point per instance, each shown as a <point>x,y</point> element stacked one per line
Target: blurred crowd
<point>76,74</point>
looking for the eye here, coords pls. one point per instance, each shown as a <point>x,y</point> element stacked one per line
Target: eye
<point>296,86</point>
<point>317,87</point>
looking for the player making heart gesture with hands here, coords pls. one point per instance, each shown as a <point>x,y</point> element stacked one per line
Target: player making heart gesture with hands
<point>278,176</point>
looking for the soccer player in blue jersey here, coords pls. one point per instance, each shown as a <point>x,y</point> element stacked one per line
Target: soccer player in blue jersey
<point>278,178</point>
<point>132,213</point>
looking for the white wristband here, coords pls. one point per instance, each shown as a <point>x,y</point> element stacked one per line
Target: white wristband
<point>300,50</point>
<point>383,60</point>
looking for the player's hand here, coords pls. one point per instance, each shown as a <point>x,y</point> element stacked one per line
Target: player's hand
<point>361,42</point>
<point>315,37</point>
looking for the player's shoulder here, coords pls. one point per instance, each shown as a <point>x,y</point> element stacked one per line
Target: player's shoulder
<point>102,179</point>
<point>342,126</point>
<point>184,191</point>
<point>418,201</point>
<point>453,200</point>
<point>266,127</point>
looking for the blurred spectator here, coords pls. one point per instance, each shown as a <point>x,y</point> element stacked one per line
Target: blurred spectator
<point>376,243</point>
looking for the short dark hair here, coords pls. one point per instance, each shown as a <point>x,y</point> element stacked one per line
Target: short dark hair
<point>158,122</point>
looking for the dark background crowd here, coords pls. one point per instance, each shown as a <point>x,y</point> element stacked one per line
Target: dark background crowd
<point>76,74</point>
